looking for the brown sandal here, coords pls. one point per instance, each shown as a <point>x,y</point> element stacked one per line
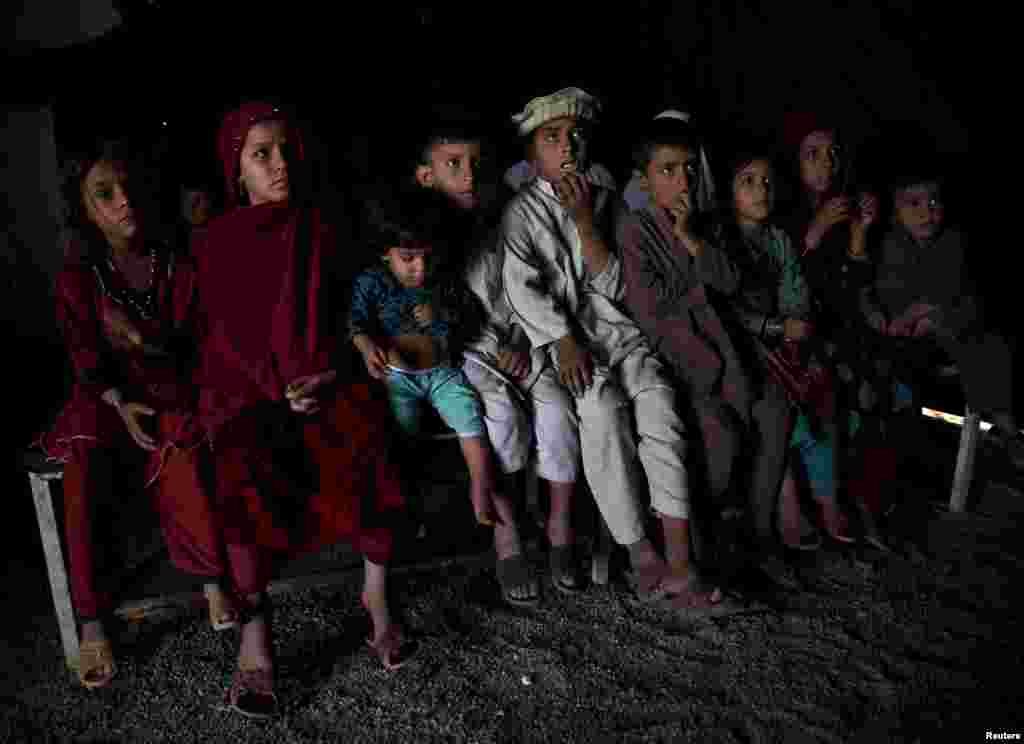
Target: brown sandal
<point>96,666</point>
<point>252,693</point>
<point>223,613</point>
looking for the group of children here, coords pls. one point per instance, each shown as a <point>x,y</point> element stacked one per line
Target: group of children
<point>674,347</point>
<point>695,358</point>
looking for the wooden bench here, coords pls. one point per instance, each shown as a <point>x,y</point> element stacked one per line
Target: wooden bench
<point>166,591</point>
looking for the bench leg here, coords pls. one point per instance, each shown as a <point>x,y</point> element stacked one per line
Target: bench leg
<point>601,565</point>
<point>55,567</point>
<point>969,436</point>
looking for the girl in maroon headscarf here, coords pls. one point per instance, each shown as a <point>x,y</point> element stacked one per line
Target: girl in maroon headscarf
<point>123,301</point>
<point>301,460</point>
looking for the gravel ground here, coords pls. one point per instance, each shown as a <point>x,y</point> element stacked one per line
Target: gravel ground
<point>919,645</point>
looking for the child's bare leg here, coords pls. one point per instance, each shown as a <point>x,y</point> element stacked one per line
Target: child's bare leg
<point>522,585</point>
<point>388,641</point>
<point>375,597</point>
<point>794,527</point>
<point>559,524</point>
<point>92,630</point>
<point>679,582</point>
<point>477,453</point>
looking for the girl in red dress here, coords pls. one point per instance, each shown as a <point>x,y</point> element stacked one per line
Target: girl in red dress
<point>123,301</point>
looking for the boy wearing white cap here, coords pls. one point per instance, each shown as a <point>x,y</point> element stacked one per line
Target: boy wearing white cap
<point>523,404</point>
<point>565,287</point>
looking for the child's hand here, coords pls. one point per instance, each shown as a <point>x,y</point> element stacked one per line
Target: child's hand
<point>424,314</point>
<point>376,360</point>
<point>575,366</point>
<point>797,330</point>
<point>868,208</point>
<point>681,214</point>
<point>515,363</point>
<point>301,392</point>
<point>574,193</point>
<point>130,413</point>
<point>833,211</point>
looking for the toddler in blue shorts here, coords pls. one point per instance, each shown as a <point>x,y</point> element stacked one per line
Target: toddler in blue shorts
<point>406,319</point>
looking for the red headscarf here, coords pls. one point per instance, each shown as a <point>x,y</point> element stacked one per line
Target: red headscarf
<point>231,139</point>
<point>798,124</point>
<point>263,284</point>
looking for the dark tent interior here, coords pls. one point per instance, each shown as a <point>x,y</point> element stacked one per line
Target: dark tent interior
<point>362,76</point>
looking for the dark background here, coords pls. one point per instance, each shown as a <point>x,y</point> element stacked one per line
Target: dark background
<point>361,75</point>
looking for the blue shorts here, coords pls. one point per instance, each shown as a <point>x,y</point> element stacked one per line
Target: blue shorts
<point>446,389</point>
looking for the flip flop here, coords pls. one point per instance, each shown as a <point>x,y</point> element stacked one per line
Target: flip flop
<point>699,600</point>
<point>96,666</point>
<point>515,571</point>
<point>252,693</point>
<point>565,575</point>
<point>223,614</point>
<point>647,582</point>
<point>393,650</point>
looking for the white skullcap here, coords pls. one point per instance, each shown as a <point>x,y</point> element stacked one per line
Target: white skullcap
<point>566,102</point>
<point>674,114</point>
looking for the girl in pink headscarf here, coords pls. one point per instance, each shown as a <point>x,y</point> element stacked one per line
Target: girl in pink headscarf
<point>301,457</point>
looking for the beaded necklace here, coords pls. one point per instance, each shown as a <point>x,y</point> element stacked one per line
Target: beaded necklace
<point>144,302</point>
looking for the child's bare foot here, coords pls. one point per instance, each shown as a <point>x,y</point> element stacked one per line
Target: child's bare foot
<point>835,522</point>
<point>254,650</point>
<point>650,570</point>
<point>387,640</point>
<point>252,688</point>
<point>686,591</point>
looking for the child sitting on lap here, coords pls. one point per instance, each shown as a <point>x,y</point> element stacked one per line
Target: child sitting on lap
<point>404,321</point>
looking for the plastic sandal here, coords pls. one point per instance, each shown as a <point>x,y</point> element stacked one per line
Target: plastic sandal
<point>565,575</point>
<point>96,666</point>
<point>223,614</point>
<point>515,571</point>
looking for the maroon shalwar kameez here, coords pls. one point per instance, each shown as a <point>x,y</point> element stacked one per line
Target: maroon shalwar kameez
<point>91,439</point>
<point>286,482</point>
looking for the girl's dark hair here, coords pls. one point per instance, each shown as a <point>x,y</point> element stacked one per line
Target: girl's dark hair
<point>76,167</point>
<point>742,154</point>
<point>398,215</point>
<point>662,133</point>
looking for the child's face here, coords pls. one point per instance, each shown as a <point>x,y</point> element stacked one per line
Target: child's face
<point>105,198</point>
<point>919,210</point>
<point>263,164</point>
<point>454,170</point>
<point>410,265</point>
<point>819,162</point>
<point>558,147</point>
<point>670,176</point>
<point>753,192</point>
<point>196,205</point>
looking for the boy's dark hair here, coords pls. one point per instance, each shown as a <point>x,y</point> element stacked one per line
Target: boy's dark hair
<point>396,216</point>
<point>914,167</point>
<point>662,133</point>
<point>446,133</point>
<point>447,124</point>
